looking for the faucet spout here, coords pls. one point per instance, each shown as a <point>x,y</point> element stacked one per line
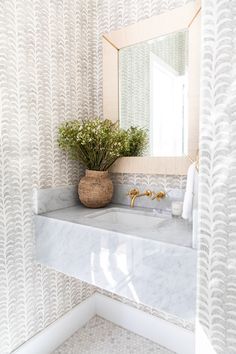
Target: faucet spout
<point>134,193</point>
<point>134,198</point>
<point>132,201</point>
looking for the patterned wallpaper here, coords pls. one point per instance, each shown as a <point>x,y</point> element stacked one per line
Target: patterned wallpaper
<point>41,84</point>
<point>50,70</point>
<point>165,182</point>
<point>217,261</point>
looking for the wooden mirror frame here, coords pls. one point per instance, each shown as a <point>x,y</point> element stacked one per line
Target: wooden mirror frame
<point>182,18</point>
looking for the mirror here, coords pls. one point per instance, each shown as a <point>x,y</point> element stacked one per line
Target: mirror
<point>153,78</point>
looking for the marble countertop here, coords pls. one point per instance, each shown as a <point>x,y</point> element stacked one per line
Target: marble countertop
<point>172,230</point>
<point>158,271</point>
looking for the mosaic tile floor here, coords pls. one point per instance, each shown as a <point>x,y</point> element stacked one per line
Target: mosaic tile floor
<point>99,336</point>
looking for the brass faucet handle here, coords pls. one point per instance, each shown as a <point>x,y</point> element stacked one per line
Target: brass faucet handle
<point>149,193</point>
<point>133,192</point>
<point>159,195</point>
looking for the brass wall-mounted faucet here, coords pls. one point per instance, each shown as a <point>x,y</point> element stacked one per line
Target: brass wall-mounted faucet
<point>134,193</point>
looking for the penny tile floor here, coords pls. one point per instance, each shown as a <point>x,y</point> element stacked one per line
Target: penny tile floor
<point>99,336</point>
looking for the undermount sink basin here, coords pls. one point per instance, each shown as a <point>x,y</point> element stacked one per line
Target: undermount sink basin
<point>140,223</point>
<point>127,220</point>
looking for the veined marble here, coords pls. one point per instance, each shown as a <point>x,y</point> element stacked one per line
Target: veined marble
<point>121,190</point>
<point>48,199</point>
<point>149,271</point>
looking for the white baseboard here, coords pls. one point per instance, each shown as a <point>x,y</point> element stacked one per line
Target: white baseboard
<point>53,336</point>
<point>173,337</point>
<point>203,345</point>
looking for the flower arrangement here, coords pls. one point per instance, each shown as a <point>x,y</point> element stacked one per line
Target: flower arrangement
<point>98,143</point>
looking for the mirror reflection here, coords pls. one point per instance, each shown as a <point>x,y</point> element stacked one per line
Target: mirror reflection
<point>153,92</point>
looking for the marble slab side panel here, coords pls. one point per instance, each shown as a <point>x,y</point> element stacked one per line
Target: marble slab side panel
<point>49,199</point>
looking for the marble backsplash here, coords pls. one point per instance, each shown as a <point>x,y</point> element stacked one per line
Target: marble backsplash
<point>174,186</point>
<point>50,199</point>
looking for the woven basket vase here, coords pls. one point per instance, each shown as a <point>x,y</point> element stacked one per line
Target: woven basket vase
<point>95,189</point>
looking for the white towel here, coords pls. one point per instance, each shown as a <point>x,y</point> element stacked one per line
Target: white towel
<point>191,194</point>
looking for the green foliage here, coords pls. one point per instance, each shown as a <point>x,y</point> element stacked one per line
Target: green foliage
<point>98,143</point>
<point>137,141</point>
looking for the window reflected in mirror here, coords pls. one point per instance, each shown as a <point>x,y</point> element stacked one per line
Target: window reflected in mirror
<point>153,92</point>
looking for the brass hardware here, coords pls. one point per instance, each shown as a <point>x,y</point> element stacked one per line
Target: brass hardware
<point>159,195</point>
<point>134,193</point>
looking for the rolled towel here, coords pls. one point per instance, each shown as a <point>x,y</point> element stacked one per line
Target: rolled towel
<point>191,194</point>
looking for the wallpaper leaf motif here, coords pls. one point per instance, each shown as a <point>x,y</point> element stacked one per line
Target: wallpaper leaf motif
<point>37,90</point>
<point>217,266</point>
<point>50,70</point>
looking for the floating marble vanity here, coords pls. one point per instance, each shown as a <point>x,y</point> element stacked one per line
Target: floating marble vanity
<point>114,249</point>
